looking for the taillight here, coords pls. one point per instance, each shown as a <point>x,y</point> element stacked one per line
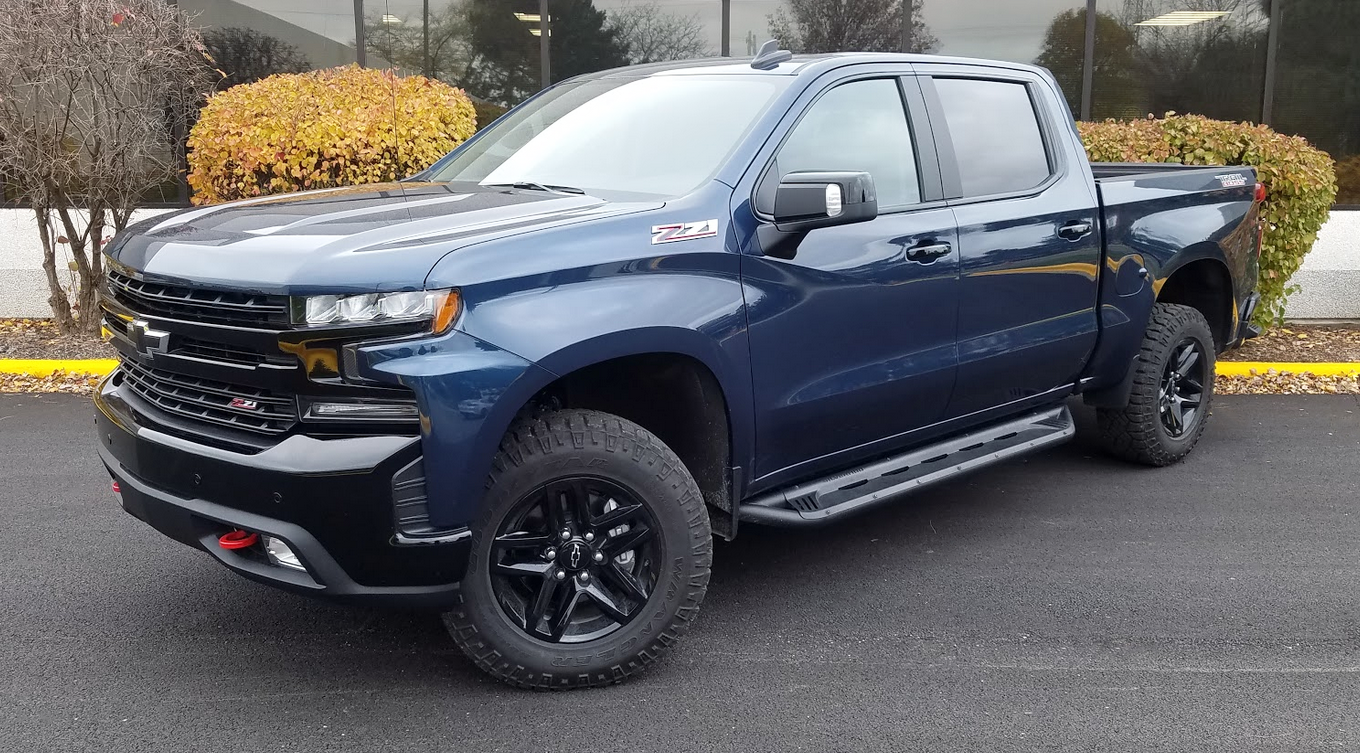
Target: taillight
<point>1260,192</point>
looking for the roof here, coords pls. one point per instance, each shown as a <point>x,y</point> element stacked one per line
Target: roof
<point>798,64</point>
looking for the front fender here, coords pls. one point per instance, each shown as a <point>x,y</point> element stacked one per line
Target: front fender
<point>468,392</point>
<point>682,305</point>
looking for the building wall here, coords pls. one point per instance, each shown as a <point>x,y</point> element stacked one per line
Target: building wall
<point>1330,275</point>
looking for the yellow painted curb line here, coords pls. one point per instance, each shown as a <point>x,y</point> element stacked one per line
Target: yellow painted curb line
<point>41,367</point>
<point>1245,368</point>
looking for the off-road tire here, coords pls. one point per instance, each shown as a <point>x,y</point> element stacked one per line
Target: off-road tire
<point>1136,432</point>
<point>562,444</point>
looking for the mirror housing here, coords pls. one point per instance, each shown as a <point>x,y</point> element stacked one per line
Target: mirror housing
<point>806,201</point>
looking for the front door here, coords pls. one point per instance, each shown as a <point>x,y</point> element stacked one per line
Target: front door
<point>852,340</point>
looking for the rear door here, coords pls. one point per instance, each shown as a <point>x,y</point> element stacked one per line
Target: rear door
<point>852,340</point>
<point>1029,242</point>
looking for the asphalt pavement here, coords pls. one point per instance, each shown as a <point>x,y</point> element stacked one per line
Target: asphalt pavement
<point>1064,602</point>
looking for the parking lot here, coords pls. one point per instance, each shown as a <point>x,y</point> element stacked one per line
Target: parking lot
<point>1067,602</point>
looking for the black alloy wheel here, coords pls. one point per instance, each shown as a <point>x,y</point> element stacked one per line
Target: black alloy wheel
<point>1182,389</point>
<point>576,560</point>
<point>590,557</point>
<point>1171,390</point>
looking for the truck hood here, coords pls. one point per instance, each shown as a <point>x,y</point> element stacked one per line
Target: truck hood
<point>359,239</point>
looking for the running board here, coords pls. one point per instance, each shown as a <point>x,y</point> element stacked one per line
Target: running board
<point>824,500</point>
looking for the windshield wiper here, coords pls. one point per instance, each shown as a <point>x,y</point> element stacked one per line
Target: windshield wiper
<point>532,186</point>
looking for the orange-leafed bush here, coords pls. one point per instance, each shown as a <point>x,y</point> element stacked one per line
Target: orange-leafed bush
<point>1300,181</point>
<point>327,128</point>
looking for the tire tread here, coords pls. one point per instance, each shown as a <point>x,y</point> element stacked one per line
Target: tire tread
<point>565,431</point>
<point>1132,432</point>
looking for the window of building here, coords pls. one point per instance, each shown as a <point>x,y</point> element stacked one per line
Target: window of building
<point>995,131</point>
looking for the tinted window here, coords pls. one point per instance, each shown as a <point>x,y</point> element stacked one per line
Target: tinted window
<point>859,126</point>
<point>995,134</point>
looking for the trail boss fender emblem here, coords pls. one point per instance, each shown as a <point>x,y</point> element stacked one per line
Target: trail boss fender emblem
<point>684,231</point>
<point>1232,180</point>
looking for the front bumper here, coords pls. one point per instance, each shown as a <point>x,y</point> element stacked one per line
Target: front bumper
<point>331,500</point>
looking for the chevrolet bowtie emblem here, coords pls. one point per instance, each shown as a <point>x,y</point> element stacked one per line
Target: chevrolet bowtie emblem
<point>146,339</point>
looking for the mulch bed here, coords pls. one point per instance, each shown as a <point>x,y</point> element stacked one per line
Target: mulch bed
<point>38,338</point>
<point>1301,343</point>
<point>60,381</point>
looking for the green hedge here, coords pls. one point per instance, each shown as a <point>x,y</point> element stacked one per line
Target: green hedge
<point>1300,181</point>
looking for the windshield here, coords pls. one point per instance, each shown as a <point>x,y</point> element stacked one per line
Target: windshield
<point>659,136</point>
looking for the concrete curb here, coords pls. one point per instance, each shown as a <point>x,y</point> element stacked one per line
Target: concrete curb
<point>1250,368</point>
<point>41,367</point>
<point>45,367</point>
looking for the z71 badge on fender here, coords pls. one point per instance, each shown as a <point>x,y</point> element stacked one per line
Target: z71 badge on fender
<point>684,231</point>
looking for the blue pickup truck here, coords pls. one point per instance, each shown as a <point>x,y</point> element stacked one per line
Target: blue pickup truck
<point>527,386</point>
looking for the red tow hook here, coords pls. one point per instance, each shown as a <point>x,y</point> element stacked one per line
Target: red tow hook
<point>117,489</point>
<point>237,539</point>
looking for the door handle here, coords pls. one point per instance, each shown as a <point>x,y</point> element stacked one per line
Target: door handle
<point>1075,229</point>
<point>927,253</point>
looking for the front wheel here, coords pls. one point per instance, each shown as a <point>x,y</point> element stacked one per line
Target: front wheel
<point>1173,387</point>
<point>591,558</point>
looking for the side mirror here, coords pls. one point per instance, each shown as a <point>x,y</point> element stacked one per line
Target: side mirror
<point>805,201</point>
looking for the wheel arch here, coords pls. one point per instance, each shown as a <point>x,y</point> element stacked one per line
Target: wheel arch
<point>1199,278</point>
<point>673,382</point>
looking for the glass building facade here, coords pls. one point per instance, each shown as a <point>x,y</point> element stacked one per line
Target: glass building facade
<point>1292,64</point>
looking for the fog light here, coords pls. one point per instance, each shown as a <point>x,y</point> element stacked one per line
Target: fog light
<point>280,554</point>
<point>370,411</point>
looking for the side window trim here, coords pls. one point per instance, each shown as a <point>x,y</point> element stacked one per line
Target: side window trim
<point>949,166</point>
<point>922,139</point>
<point>919,133</point>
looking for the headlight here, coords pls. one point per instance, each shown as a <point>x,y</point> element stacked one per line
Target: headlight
<point>439,307</point>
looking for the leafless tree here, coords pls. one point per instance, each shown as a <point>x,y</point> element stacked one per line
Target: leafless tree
<point>653,35</point>
<point>848,26</point>
<point>91,92</point>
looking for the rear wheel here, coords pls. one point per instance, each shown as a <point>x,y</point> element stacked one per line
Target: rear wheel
<point>592,556</point>
<point>1173,387</point>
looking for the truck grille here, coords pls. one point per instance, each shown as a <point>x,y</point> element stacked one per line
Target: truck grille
<point>200,304</point>
<point>248,408</point>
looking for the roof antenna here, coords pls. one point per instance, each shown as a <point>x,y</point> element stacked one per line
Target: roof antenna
<point>770,56</point>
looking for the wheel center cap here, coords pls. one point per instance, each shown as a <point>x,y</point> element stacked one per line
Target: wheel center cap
<point>574,555</point>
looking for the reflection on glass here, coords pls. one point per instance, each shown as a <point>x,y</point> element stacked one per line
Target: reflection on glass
<point>1200,56</point>
<point>251,39</point>
<point>1317,83</point>
<point>492,48</point>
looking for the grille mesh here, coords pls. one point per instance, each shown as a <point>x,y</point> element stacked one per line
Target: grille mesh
<point>255,410</point>
<point>200,304</point>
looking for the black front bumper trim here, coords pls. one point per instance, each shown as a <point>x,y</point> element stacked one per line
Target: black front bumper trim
<point>330,501</point>
<point>198,523</point>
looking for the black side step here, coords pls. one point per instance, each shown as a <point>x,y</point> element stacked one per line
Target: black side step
<point>824,500</point>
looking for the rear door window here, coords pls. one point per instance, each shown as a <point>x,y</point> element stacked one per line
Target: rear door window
<point>997,141</point>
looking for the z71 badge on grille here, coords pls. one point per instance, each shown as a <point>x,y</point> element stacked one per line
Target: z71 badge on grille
<point>244,404</point>
<point>684,231</point>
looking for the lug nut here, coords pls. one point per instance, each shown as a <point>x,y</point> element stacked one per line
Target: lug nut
<point>583,577</point>
<point>565,534</point>
<point>599,557</point>
<point>560,574</point>
<point>590,537</point>
<point>550,554</point>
